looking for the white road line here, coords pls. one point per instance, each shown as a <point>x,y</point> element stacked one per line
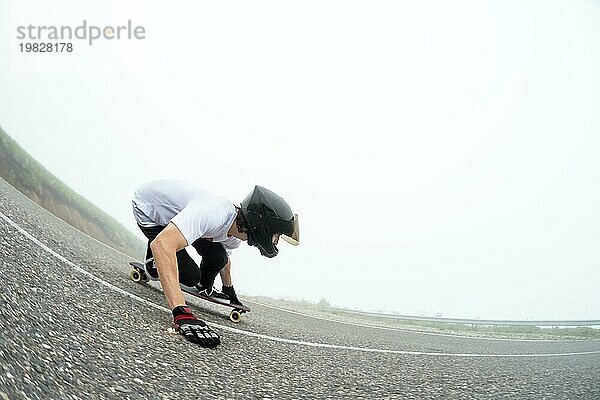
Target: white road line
<point>274,338</point>
<point>416,332</point>
<point>323,318</point>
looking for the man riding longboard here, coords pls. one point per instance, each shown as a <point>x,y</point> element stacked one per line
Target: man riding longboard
<point>174,214</point>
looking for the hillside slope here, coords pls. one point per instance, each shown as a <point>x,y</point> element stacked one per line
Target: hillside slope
<point>28,176</point>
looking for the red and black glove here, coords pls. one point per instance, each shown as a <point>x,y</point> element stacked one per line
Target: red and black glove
<point>194,330</point>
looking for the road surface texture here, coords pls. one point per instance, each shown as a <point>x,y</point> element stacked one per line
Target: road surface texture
<point>74,326</point>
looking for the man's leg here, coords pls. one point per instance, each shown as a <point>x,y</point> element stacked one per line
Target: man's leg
<point>189,273</point>
<point>228,289</point>
<point>214,258</point>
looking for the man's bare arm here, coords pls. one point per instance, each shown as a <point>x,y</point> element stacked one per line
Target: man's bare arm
<point>164,248</point>
<point>228,283</point>
<point>226,273</point>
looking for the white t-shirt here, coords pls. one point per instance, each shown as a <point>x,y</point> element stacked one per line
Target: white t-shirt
<point>196,212</point>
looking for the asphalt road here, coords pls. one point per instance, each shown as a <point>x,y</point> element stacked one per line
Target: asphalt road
<point>80,329</point>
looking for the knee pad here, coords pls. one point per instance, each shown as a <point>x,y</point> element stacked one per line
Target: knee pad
<point>214,261</point>
<point>189,276</point>
<point>189,273</point>
<point>210,267</point>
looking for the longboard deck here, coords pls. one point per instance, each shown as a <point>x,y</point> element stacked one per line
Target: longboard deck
<point>138,266</point>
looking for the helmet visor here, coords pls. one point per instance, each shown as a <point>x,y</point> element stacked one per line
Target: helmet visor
<point>294,238</point>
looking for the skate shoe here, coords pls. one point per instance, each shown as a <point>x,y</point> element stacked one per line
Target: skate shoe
<point>151,271</point>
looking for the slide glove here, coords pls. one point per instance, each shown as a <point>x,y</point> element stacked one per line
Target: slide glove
<point>193,329</point>
<point>230,292</point>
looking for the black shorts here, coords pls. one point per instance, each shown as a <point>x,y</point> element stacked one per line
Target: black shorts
<point>214,258</point>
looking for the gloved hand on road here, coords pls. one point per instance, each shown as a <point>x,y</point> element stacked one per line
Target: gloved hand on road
<point>194,330</point>
<point>230,292</point>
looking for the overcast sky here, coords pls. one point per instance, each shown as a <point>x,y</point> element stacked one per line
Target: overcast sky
<point>443,156</point>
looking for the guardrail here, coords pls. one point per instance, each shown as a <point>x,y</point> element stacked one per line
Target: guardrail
<point>473,321</point>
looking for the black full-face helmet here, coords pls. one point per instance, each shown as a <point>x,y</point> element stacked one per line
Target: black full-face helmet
<point>268,217</point>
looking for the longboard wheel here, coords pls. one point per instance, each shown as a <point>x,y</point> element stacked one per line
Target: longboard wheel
<point>135,275</point>
<point>235,316</point>
<point>145,278</point>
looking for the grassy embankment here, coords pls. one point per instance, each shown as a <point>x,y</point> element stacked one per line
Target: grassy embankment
<point>28,176</point>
